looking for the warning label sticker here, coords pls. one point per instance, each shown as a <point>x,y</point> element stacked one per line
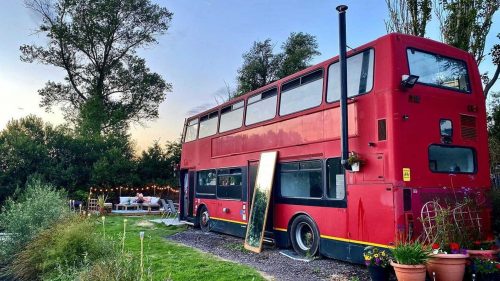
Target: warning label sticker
<point>406,174</point>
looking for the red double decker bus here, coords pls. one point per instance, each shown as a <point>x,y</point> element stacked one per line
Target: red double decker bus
<point>418,140</point>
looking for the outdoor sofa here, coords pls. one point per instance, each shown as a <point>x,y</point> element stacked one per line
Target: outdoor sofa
<point>131,202</point>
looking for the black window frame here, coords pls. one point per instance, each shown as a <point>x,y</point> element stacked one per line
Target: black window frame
<point>469,92</point>
<point>327,179</point>
<point>205,195</point>
<point>324,201</point>
<point>224,111</point>
<point>337,61</point>
<point>220,172</point>
<point>299,169</point>
<point>248,103</point>
<point>208,116</point>
<point>293,85</point>
<point>474,156</point>
<point>188,123</point>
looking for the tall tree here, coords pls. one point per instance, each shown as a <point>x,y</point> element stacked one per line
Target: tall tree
<point>259,67</point>
<point>298,51</point>
<point>262,66</point>
<point>408,16</point>
<point>107,85</point>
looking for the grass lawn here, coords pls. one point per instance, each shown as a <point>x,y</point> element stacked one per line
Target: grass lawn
<point>168,259</point>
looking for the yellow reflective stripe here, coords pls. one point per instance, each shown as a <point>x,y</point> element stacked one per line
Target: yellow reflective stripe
<point>356,241</point>
<point>280,229</point>
<point>221,219</point>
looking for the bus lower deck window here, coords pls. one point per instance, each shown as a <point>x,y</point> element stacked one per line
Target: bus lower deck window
<point>451,159</point>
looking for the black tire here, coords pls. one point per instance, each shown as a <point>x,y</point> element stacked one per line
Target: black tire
<point>204,219</point>
<point>305,236</point>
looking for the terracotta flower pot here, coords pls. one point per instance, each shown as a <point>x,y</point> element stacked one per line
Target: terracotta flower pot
<point>447,267</point>
<point>409,272</point>
<point>482,253</point>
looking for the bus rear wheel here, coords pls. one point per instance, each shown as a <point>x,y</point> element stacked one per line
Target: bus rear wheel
<point>305,236</point>
<point>204,219</point>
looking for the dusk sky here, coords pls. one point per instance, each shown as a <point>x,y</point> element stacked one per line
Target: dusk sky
<point>200,53</point>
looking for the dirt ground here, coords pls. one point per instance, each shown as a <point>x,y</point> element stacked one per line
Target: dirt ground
<point>270,262</point>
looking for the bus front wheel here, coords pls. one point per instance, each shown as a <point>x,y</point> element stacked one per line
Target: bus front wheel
<point>204,219</point>
<point>305,236</point>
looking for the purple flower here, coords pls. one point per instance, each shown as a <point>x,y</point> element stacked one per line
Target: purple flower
<point>367,262</point>
<point>377,261</point>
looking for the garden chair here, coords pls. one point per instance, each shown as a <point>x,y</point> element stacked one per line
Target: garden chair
<point>169,210</point>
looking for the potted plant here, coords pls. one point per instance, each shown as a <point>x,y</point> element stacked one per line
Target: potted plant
<point>483,249</point>
<point>377,261</point>
<point>101,200</point>
<point>485,269</point>
<point>448,259</point>
<point>409,260</point>
<point>447,263</point>
<point>354,161</point>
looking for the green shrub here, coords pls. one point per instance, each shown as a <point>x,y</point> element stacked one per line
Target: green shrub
<point>67,245</point>
<point>411,253</point>
<point>120,268</point>
<point>34,210</point>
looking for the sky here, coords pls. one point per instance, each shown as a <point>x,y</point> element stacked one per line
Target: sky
<point>199,54</point>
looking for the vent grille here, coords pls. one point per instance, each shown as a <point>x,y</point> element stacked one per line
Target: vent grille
<point>468,127</point>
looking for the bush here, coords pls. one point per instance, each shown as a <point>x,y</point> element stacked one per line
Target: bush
<point>34,210</point>
<point>67,245</point>
<point>120,268</point>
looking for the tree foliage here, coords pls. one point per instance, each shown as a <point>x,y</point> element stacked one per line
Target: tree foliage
<point>262,66</point>
<point>408,16</point>
<point>464,24</point>
<point>494,131</point>
<point>58,155</point>
<point>95,41</point>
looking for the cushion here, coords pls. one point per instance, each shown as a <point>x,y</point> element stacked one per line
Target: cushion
<point>154,200</point>
<point>147,199</point>
<point>124,200</point>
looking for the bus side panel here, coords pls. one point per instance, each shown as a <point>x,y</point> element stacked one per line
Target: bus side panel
<point>371,213</point>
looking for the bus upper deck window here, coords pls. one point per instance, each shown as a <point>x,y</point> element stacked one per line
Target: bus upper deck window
<point>208,124</point>
<point>231,117</point>
<point>261,107</point>
<point>437,70</point>
<point>359,76</point>
<point>191,130</point>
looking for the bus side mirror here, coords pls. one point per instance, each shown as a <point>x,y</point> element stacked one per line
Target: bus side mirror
<point>408,81</point>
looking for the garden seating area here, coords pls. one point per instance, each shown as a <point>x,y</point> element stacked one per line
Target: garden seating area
<point>148,203</point>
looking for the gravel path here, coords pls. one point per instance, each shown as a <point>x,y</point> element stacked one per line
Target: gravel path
<point>270,261</point>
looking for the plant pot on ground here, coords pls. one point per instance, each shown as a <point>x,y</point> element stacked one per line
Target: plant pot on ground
<point>409,261</point>
<point>101,202</point>
<point>377,261</point>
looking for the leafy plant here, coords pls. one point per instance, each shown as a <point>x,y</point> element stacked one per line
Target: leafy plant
<point>485,266</point>
<point>22,219</point>
<point>411,253</point>
<point>68,243</point>
<point>101,200</point>
<point>354,158</point>
<point>376,257</point>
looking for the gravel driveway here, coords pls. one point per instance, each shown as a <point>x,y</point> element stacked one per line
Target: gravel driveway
<point>273,264</point>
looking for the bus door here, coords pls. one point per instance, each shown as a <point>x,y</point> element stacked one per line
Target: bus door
<point>187,194</point>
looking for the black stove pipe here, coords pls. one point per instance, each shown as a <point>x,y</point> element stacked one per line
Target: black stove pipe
<point>343,87</point>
